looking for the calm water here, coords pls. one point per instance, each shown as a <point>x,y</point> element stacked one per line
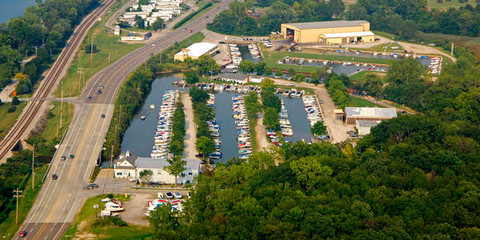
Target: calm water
<point>139,137</point>
<point>13,8</point>
<point>298,119</point>
<point>246,54</point>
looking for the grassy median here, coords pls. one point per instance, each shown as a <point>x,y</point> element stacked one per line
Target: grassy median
<point>9,118</point>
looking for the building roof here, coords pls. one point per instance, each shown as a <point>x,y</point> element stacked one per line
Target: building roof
<point>348,34</point>
<point>370,112</point>
<point>130,157</point>
<point>327,24</point>
<point>159,163</point>
<point>233,76</point>
<point>368,123</point>
<point>198,49</point>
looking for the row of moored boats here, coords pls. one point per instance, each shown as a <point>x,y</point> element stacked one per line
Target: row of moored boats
<point>312,108</point>
<point>285,125</point>
<point>253,48</point>
<point>243,127</point>
<point>235,53</point>
<point>214,131</point>
<point>164,125</point>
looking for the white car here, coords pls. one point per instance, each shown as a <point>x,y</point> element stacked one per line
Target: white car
<point>178,195</point>
<point>106,200</point>
<point>160,195</point>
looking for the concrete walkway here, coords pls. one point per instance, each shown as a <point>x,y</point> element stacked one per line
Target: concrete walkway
<point>191,131</point>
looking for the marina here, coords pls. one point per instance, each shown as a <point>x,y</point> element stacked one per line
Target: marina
<point>243,127</point>
<point>140,135</point>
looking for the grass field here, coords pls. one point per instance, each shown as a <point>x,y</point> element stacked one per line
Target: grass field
<point>7,119</point>
<point>448,4</point>
<point>109,49</point>
<point>472,43</point>
<point>359,102</point>
<point>8,227</point>
<point>384,34</point>
<point>82,225</point>
<point>359,76</point>
<point>51,131</point>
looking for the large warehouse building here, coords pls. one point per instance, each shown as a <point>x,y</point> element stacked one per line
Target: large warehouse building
<point>329,33</point>
<point>353,114</point>
<point>196,50</point>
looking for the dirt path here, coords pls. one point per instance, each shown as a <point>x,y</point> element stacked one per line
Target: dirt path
<point>261,135</point>
<point>136,208</point>
<point>191,131</point>
<point>417,48</point>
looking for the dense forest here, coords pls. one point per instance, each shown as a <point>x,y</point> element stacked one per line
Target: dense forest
<point>45,27</point>
<point>413,177</point>
<point>400,17</point>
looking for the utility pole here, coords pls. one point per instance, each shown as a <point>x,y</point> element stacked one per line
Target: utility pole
<point>80,73</point>
<point>16,191</point>
<point>109,56</point>
<point>451,50</point>
<point>61,109</point>
<point>33,168</point>
<point>91,52</point>
<point>35,51</point>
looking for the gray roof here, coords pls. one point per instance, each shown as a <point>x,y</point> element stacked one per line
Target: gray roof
<point>235,76</point>
<point>370,112</point>
<point>367,123</point>
<point>159,163</point>
<point>327,24</point>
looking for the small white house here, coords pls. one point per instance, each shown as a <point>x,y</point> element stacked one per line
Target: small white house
<point>116,30</point>
<point>163,177</point>
<point>125,166</point>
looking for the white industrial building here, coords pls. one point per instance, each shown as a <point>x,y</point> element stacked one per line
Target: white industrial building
<point>364,126</point>
<point>196,50</point>
<point>353,114</point>
<point>130,166</point>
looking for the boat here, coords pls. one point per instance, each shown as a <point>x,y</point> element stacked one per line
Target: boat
<point>142,117</point>
<point>152,106</point>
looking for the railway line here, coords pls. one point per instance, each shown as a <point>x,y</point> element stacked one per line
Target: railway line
<point>47,86</point>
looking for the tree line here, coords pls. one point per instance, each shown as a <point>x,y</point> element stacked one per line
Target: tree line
<point>43,30</point>
<point>203,113</point>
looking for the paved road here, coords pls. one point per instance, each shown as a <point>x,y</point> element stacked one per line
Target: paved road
<point>59,200</point>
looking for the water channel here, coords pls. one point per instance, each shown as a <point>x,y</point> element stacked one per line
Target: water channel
<point>139,137</point>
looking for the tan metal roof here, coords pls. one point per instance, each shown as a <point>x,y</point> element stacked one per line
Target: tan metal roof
<point>370,112</point>
<point>327,24</point>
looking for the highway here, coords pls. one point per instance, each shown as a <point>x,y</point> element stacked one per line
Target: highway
<point>60,200</point>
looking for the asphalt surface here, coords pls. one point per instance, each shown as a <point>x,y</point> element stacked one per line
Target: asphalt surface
<point>59,200</point>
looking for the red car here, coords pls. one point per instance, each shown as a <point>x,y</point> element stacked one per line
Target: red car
<point>22,234</point>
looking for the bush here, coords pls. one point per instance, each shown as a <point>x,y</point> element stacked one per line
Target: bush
<point>16,101</point>
<point>12,109</point>
<point>109,221</point>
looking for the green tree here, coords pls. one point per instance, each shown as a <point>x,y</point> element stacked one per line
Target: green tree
<point>318,129</point>
<point>206,146</point>
<point>247,66</point>
<point>270,119</point>
<point>198,95</point>
<point>291,72</point>
<point>139,22</point>
<point>309,171</point>
<point>206,65</point>
<point>16,101</point>
<point>176,167</point>
<point>164,222</point>
<point>278,73</point>
<point>299,77</point>
<point>191,77</point>
<point>146,176</point>
<point>336,7</point>
<point>158,24</point>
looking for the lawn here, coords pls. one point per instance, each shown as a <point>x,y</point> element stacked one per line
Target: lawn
<point>448,4</point>
<point>386,47</point>
<point>8,227</point>
<point>82,224</point>
<point>358,77</point>
<point>51,131</point>
<point>7,118</point>
<point>384,34</point>
<point>108,48</point>
<point>271,58</point>
<point>359,102</point>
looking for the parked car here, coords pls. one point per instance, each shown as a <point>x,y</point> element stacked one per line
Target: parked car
<point>178,195</point>
<point>103,115</point>
<point>160,195</point>
<point>91,186</point>
<point>169,195</point>
<point>54,177</point>
<point>188,195</point>
<point>72,156</point>
<point>99,91</point>
<point>324,137</point>
<point>63,158</point>
<point>321,101</point>
<point>22,234</point>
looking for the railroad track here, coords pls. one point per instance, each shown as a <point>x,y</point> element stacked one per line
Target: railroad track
<point>51,79</point>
